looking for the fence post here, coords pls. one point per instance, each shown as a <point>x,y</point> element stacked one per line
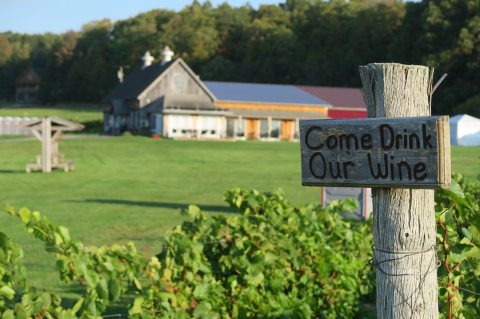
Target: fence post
<point>404,227</point>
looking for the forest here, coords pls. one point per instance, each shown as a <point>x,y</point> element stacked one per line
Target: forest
<point>310,42</point>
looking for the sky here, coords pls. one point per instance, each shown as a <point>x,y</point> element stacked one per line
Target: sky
<point>58,16</point>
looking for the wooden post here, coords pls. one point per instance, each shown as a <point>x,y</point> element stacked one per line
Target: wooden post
<point>47,145</point>
<point>404,219</point>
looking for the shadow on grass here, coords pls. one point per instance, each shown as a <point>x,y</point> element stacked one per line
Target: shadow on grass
<point>180,206</point>
<point>12,171</point>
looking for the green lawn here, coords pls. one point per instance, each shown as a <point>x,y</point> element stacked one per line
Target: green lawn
<point>74,112</point>
<point>466,160</point>
<point>134,188</point>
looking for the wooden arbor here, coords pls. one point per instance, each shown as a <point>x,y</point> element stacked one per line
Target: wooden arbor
<point>49,131</point>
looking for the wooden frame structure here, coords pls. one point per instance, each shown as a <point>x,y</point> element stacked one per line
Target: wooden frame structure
<point>49,131</point>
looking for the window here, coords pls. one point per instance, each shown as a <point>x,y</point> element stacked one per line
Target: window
<point>180,125</point>
<point>296,134</point>
<point>275,130</point>
<point>180,82</point>
<point>208,125</point>
<point>145,123</point>
<point>231,127</point>
<point>241,128</point>
<point>264,128</point>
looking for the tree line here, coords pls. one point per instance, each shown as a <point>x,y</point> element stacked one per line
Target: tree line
<point>309,42</point>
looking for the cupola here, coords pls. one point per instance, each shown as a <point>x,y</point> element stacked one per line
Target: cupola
<point>147,59</point>
<point>167,55</point>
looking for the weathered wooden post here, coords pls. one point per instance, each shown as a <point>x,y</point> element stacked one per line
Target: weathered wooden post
<point>47,145</point>
<point>402,153</point>
<point>404,219</point>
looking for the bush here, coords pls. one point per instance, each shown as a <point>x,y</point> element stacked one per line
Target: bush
<point>92,126</point>
<point>273,260</point>
<point>458,239</point>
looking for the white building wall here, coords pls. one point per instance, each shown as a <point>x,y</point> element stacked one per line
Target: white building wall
<point>193,126</point>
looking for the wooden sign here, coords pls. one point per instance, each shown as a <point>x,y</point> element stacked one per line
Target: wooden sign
<point>376,152</point>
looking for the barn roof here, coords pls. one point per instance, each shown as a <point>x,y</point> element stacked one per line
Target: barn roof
<point>30,75</point>
<point>337,96</point>
<point>262,93</point>
<point>140,79</point>
<point>137,81</point>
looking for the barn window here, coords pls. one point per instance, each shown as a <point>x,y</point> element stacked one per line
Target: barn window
<point>296,134</point>
<point>231,127</point>
<point>264,128</point>
<point>275,132</point>
<point>241,128</point>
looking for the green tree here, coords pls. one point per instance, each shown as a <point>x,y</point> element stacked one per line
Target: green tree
<point>131,38</point>
<point>57,65</point>
<point>91,53</point>
<point>450,42</point>
<point>339,36</point>
<point>271,54</point>
<point>18,48</point>
<point>192,34</point>
<point>298,41</point>
<point>6,49</point>
<point>470,106</point>
<point>227,62</point>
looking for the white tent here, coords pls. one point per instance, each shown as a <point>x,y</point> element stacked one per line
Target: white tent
<point>464,130</point>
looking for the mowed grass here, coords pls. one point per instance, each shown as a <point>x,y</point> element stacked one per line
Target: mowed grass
<point>466,160</point>
<point>134,188</point>
<point>73,112</point>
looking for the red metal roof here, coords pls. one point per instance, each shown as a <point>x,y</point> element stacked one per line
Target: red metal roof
<point>338,97</point>
<point>347,114</point>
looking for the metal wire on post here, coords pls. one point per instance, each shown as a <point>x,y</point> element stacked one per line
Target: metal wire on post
<point>376,263</point>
